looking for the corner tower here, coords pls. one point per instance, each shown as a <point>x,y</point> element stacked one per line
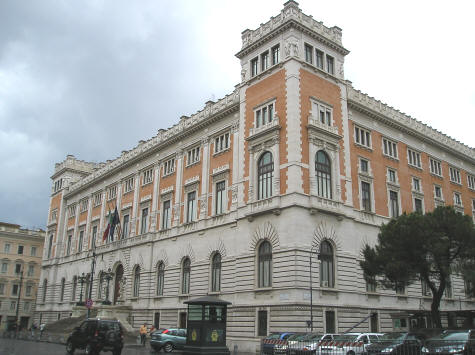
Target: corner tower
<point>293,105</point>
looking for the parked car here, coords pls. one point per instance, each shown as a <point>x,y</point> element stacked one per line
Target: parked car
<point>283,347</point>
<point>397,343</point>
<point>269,342</point>
<point>451,342</point>
<point>309,344</point>
<point>96,335</point>
<point>168,339</point>
<point>348,344</point>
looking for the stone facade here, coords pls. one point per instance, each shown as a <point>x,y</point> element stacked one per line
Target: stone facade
<point>21,252</point>
<point>295,158</point>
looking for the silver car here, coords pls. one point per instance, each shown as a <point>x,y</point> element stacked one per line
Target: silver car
<point>348,344</point>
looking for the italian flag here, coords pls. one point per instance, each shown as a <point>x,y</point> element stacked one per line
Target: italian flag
<point>106,232</point>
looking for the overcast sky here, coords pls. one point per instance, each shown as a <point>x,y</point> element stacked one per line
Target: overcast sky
<point>92,78</point>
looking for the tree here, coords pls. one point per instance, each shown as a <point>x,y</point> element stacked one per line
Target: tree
<point>417,247</point>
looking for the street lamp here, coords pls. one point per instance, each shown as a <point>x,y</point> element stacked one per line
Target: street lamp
<point>17,326</point>
<point>93,264</point>
<point>312,249</point>
<point>81,280</point>
<point>108,277</point>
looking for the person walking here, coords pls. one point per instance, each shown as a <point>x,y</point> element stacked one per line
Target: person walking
<point>42,329</point>
<point>143,334</point>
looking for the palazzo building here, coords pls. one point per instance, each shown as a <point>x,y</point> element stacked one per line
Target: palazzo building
<point>21,252</point>
<point>234,200</point>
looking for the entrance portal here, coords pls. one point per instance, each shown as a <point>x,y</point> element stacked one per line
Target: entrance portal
<point>118,284</point>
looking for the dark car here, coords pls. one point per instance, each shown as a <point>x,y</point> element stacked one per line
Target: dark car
<point>451,342</point>
<point>168,339</point>
<point>397,343</point>
<point>269,342</point>
<point>96,335</point>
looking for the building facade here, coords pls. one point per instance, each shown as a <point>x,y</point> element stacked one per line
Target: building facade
<point>237,199</point>
<point>21,253</point>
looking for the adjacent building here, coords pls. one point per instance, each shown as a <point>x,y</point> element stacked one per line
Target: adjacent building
<point>280,182</point>
<point>21,253</point>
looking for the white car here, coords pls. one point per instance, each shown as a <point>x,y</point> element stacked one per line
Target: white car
<point>347,344</point>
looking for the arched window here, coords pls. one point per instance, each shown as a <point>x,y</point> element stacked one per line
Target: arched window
<point>185,281</point>
<point>216,273</point>
<point>75,286</point>
<point>100,285</point>
<point>265,173</point>
<point>323,174</point>
<point>160,278</point>
<point>63,285</point>
<point>265,265</point>
<point>327,269</point>
<point>136,281</point>
<point>45,288</point>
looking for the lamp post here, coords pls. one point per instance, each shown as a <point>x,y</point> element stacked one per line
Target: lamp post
<point>108,277</point>
<point>17,326</point>
<point>81,279</point>
<point>92,275</point>
<point>312,249</point>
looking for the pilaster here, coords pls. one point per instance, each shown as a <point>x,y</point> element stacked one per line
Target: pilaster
<point>155,194</point>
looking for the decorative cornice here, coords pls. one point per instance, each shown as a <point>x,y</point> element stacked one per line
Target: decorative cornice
<point>392,117</point>
<point>291,16</point>
<point>212,112</point>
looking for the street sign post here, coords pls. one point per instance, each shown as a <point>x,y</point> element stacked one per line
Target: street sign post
<point>89,303</point>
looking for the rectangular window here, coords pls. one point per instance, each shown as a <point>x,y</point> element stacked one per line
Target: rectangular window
<point>33,251</point>
<point>50,246</point>
<point>264,115</point>
<point>4,268</point>
<point>20,249</point>
<point>83,205</point>
<point>17,269</point>
<point>393,203</point>
<point>81,240</point>
<point>370,284</point>
<point>220,191</point>
<point>143,222</point>
<point>319,58</point>
<point>166,214</point>
<point>54,214</point>
<point>147,176</point>
<point>97,199</point>
<point>128,185</point>
<point>400,288</point>
<point>364,166</point>
<point>125,226</point>
<point>471,182</point>
<point>308,53</point>
<point>457,199</point>
<point>26,306</point>
<point>29,288</point>
<point>31,270</point>
<point>323,113</point>
<point>169,167</point>
<point>425,290</point>
<point>68,248</point>
<point>330,65</point>
<point>438,192</point>
<point>58,184</point>
<point>418,205</point>
<point>2,289</point>
<point>254,66</point>
<point>15,290</point>
<point>275,54</point>
<point>435,167</point>
<point>416,184</point>
<point>6,248</point>
<point>191,207</point>
<point>389,148</point>
<point>392,176</point>
<point>414,158</point>
<point>112,192</point>
<point>94,236</point>
<point>12,305</point>
<point>221,143</point>
<point>72,211</point>
<point>366,196</point>
<point>329,321</point>
<point>262,323</point>
<point>362,137</point>
<point>264,61</point>
<point>193,156</point>
<point>454,175</point>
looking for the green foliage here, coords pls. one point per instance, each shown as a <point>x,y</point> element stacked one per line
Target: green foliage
<point>428,247</point>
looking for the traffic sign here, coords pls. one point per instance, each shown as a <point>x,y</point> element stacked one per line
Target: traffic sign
<point>89,303</point>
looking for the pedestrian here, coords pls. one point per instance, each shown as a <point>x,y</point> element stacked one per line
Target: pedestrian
<point>42,329</point>
<point>143,334</point>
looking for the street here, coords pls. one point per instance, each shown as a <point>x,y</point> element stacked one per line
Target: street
<point>24,347</point>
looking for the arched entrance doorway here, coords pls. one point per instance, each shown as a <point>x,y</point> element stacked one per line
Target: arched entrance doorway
<point>119,286</point>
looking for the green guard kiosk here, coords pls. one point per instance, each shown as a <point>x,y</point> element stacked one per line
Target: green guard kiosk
<point>206,326</point>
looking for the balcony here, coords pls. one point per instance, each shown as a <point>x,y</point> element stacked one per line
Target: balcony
<point>273,125</point>
<point>315,124</point>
